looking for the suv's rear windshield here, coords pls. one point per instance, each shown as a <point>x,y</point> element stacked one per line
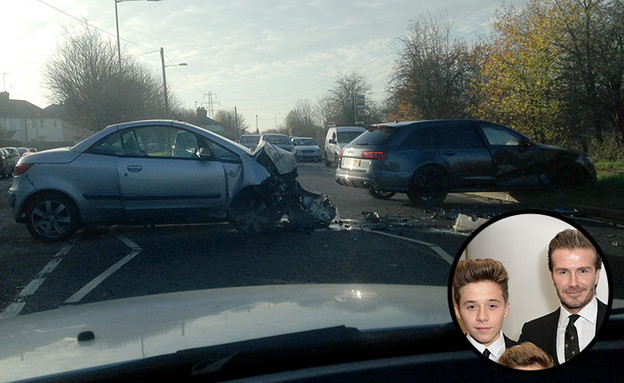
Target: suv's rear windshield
<point>379,135</point>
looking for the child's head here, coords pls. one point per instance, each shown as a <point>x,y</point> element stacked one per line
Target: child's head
<point>481,295</point>
<point>526,356</point>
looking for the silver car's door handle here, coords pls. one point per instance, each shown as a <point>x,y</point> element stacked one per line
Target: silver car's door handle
<point>449,153</point>
<point>134,168</point>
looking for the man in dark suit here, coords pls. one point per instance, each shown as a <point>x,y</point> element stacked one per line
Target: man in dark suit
<point>481,302</point>
<point>574,266</point>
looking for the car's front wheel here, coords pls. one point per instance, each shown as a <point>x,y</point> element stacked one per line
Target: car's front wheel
<point>429,187</point>
<point>251,212</point>
<point>52,217</point>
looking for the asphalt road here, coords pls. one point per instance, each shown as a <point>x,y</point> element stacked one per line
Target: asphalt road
<point>102,263</point>
<point>373,241</point>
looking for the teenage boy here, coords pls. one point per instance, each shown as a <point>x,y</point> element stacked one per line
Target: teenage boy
<point>481,302</point>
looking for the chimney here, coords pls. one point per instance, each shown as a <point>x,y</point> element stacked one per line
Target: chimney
<point>4,96</point>
<point>202,114</point>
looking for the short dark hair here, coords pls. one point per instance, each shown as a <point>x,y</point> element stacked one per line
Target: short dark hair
<point>571,239</point>
<point>480,270</point>
<point>525,354</point>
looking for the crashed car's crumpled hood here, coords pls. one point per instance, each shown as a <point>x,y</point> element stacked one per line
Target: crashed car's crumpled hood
<point>128,329</point>
<point>283,160</point>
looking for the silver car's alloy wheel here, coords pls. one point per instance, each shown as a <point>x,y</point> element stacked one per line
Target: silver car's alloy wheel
<point>251,213</point>
<point>51,217</point>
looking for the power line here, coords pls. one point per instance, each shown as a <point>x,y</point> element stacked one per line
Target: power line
<point>84,20</point>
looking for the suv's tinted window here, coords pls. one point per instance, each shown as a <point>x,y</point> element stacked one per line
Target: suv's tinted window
<point>376,137</point>
<point>421,138</point>
<point>457,137</point>
<point>497,135</point>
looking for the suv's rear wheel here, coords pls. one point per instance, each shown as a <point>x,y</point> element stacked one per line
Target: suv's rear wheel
<point>380,194</point>
<point>429,187</point>
<point>51,217</point>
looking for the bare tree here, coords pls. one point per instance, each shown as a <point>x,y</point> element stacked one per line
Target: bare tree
<point>84,76</point>
<point>233,123</point>
<point>432,73</point>
<point>338,106</point>
<point>593,67</point>
<point>301,120</point>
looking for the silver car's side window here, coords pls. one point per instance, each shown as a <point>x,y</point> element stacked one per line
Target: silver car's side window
<point>131,144</point>
<point>110,145</point>
<point>185,145</point>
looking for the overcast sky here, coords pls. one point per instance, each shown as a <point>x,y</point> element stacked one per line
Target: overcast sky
<point>260,56</point>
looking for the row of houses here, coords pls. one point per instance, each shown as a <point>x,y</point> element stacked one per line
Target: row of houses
<point>25,123</point>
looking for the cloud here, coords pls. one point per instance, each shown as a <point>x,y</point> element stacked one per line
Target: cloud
<point>239,49</point>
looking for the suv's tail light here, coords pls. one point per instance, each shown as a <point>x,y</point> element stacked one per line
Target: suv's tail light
<point>22,168</point>
<point>380,156</point>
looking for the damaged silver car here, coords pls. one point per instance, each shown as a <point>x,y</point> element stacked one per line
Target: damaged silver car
<point>161,171</point>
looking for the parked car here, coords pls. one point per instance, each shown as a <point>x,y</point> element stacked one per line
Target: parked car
<point>22,150</point>
<point>159,171</point>
<point>336,138</point>
<point>280,140</point>
<point>12,154</point>
<point>6,164</point>
<point>249,140</point>
<point>306,149</point>
<point>428,159</point>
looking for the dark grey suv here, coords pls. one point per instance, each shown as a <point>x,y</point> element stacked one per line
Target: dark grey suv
<point>428,159</point>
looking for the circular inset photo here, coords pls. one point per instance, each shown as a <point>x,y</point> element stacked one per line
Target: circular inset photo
<point>529,290</point>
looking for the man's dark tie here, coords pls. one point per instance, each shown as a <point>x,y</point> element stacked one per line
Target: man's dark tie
<point>487,353</point>
<point>571,338</point>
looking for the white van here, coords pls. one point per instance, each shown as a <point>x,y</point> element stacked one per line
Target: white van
<point>337,137</point>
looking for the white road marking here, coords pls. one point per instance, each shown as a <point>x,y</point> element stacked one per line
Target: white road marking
<point>15,308</point>
<point>12,310</point>
<point>31,287</point>
<point>435,248</point>
<point>86,289</point>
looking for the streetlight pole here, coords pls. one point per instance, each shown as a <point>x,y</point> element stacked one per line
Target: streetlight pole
<point>118,43</point>
<point>164,73</point>
<point>117,27</point>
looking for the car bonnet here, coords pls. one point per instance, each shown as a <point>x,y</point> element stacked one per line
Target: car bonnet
<point>134,328</point>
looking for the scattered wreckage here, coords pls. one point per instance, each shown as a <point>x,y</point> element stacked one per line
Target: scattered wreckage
<point>261,208</point>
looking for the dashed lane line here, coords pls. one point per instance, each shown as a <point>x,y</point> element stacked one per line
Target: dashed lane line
<point>15,308</point>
